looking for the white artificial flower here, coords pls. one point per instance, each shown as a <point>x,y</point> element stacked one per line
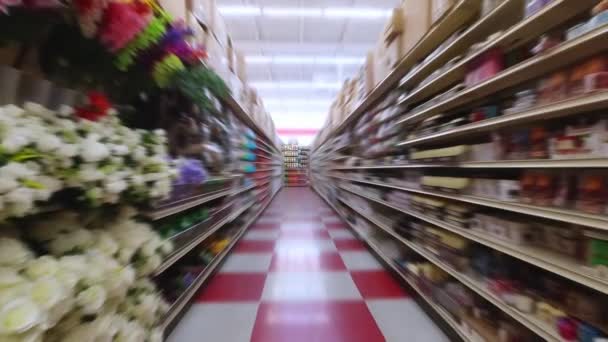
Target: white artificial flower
<point>68,278</point>
<point>48,143</point>
<point>92,150</point>
<point>16,171</point>
<point>52,226</point>
<point>150,265</point>
<point>23,197</point>
<point>43,266</point>
<point>125,255</point>
<point>166,247</point>
<point>7,184</point>
<point>130,332</point>
<point>116,187</point>
<point>67,150</point>
<point>139,153</point>
<point>118,281</point>
<point>9,277</point>
<point>120,150</point>
<point>47,292</point>
<point>77,240</point>
<point>15,141</point>
<point>76,264</point>
<point>99,330</point>
<point>145,309</point>
<point>58,311</point>
<point>90,173</point>
<point>13,252</point>
<point>106,243</point>
<point>65,111</point>
<point>32,335</point>
<point>91,300</point>
<point>19,315</point>
<point>151,246</point>
<point>155,335</point>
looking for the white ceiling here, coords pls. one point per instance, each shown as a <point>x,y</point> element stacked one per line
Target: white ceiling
<point>298,83</point>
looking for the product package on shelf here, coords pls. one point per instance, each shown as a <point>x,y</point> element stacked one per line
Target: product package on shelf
<point>484,159</point>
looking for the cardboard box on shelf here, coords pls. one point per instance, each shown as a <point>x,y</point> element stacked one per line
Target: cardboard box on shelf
<point>368,74</point>
<point>176,8</point>
<point>394,51</point>
<point>395,25</point>
<point>417,16</point>
<point>203,10</point>
<point>241,66</point>
<point>439,8</point>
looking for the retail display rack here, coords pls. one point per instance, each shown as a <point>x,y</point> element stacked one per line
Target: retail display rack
<point>295,159</point>
<point>476,166</point>
<point>130,187</point>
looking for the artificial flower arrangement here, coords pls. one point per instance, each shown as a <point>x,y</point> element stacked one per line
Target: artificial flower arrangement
<point>88,281</point>
<point>86,151</point>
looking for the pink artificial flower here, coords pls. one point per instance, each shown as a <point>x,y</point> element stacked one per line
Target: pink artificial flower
<point>122,22</point>
<point>89,14</point>
<point>5,4</point>
<point>41,3</point>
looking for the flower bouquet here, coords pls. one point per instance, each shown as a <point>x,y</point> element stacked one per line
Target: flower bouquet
<point>87,151</point>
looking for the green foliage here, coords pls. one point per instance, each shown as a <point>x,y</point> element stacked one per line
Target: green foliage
<point>198,84</point>
<point>150,36</point>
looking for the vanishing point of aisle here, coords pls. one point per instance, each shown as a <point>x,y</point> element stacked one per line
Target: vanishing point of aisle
<point>299,275</point>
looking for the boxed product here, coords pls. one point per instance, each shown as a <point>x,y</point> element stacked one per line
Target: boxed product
<point>582,140</point>
<point>177,9</point>
<point>241,66</point>
<point>369,77</point>
<point>439,8</point>
<point>417,16</point>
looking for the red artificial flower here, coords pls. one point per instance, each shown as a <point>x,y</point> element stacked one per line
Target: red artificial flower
<point>83,6</point>
<point>96,109</point>
<point>99,101</point>
<point>121,24</point>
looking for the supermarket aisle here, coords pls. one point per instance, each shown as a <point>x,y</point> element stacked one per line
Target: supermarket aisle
<point>300,275</point>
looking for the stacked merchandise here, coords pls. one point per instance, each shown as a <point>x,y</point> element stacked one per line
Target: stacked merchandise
<point>482,155</point>
<point>107,196</point>
<point>295,159</point>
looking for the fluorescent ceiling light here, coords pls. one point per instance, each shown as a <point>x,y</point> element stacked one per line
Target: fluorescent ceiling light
<point>296,85</point>
<point>278,101</point>
<point>240,11</point>
<point>318,12</point>
<point>363,13</point>
<point>292,12</point>
<point>298,60</point>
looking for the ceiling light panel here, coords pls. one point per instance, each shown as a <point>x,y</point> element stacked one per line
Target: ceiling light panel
<point>317,12</point>
<point>296,85</point>
<point>300,60</point>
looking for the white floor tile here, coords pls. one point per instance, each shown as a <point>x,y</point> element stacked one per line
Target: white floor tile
<point>402,320</point>
<point>310,286</point>
<point>341,234</point>
<point>260,235</point>
<point>232,322</point>
<point>304,246</point>
<point>301,225</point>
<point>247,262</point>
<point>360,261</point>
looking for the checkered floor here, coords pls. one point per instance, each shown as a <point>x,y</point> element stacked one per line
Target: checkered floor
<point>300,275</point>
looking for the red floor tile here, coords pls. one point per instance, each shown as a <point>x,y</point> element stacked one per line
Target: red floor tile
<point>377,284</point>
<point>318,321</point>
<point>307,262</point>
<point>349,245</point>
<point>301,218</point>
<point>254,246</point>
<point>233,287</point>
<point>335,225</point>
<point>304,234</point>
<point>261,225</point>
